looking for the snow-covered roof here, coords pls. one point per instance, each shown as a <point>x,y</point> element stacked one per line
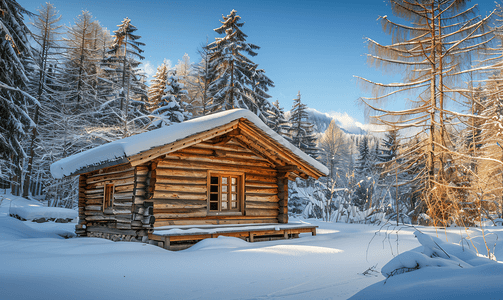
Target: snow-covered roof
<point>118,151</point>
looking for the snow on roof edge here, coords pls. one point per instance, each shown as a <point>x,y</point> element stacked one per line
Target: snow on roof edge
<point>132,145</point>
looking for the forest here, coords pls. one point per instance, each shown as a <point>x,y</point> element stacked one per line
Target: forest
<point>438,161</point>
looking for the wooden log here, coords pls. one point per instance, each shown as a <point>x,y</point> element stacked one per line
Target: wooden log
<point>262,205</point>
<point>149,220</point>
<point>180,215</point>
<point>262,212</point>
<point>158,195</point>
<point>149,210</point>
<point>94,196</point>
<point>253,190</point>
<point>283,218</point>
<point>217,159</point>
<point>117,211</point>
<point>258,184</point>
<point>111,170</point>
<point>192,166</point>
<point>180,188</point>
<point>254,178</point>
<point>94,207</point>
<point>124,188</point>
<point>113,176</point>
<point>262,198</point>
<point>116,182</point>
<point>182,172</point>
<point>158,204</point>
<point>227,147</point>
<point>126,195</point>
<point>184,143</point>
<point>180,180</point>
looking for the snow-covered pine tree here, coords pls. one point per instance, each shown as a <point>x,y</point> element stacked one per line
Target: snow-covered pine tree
<point>238,83</point>
<point>124,82</point>
<point>15,51</point>
<point>301,132</point>
<point>171,109</point>
<point>276,118</point>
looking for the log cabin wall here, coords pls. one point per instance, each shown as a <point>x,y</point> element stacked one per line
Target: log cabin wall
<point>178,185</point>
<point>118,218</point>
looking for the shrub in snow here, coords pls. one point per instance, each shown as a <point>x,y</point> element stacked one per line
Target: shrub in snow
<point>435,253</point>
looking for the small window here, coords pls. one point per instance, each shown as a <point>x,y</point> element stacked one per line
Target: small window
<point>108,198</point>
<point>225,192</point>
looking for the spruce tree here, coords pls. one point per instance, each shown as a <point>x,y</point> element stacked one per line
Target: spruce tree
<point>15,52</point>
<point>238,83</point>
<point>171,109</point>
<point>301,132</point>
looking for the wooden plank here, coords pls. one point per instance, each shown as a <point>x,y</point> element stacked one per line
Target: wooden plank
<point>180,188</point>
<point>189,141</point>
<point>166,222</point>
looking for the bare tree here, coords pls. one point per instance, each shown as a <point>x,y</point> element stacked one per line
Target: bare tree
<point>432,49</point>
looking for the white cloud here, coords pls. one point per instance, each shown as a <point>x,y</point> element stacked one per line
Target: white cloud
<point>148,69</point>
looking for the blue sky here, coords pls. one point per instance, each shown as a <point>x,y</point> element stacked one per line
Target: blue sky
<point>314,46</point>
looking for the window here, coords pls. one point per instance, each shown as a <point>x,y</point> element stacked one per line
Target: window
<point>225,192</point>
<point>108,197</point>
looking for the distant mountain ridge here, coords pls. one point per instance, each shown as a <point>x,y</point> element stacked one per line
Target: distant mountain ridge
<point>345,122</point>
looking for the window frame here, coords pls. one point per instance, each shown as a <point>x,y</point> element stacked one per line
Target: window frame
<point>108,200</point>
<point>240,193</point>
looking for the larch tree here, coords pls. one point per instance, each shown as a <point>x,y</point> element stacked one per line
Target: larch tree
<point>46,56</point>
<point>433,49</point>
<point>158,83</point>
<point>238,83</point>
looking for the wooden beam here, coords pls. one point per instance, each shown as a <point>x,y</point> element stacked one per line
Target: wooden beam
<point>184,143</point>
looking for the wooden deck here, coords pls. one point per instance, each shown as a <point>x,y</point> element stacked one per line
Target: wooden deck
<point>182,237</point>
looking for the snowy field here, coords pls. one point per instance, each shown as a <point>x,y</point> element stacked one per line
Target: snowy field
<point>36,262</point>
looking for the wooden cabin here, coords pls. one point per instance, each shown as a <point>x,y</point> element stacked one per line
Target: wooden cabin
<point>212,172</point>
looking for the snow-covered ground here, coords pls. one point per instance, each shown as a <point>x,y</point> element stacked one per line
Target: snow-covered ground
<point>36,262</point>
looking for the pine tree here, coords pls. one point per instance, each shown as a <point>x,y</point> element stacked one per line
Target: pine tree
<point>276,118</point>
<point>15,52</point>
<point>124,80</point>
<point>171,109</point>
<point>301,132</point>
<point>238,83</point>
